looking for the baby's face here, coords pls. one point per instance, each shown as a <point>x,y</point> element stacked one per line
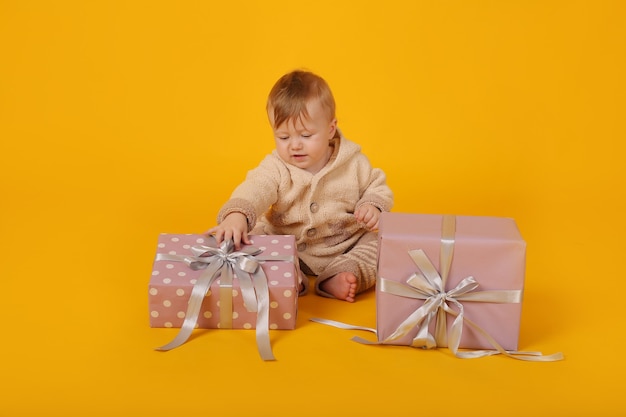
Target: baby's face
<point>304,142</point>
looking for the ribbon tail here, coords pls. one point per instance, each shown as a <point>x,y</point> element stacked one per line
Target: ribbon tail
<point>441,332</point>
<point>535,356</point>
<point>364,341</point>
<point>413,320</point>
<point>193,309</point>
<point>524,356</point>
<point>247,290</point>
<point>346,326</point>
<point>263,320</point>
<point>341,325</point>
<point>424,339</point>
<point>456,331</point>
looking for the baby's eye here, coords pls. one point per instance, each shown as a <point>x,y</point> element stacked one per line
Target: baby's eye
<point>283,137</point>
<point>306,135</point>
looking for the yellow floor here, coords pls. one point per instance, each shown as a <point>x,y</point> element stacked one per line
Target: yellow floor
<point>123,120</point>
<point>77,342</point>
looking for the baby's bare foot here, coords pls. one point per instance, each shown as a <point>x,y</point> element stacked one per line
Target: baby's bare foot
<point>342,286</point>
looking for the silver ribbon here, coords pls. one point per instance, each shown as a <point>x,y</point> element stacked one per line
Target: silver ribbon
<point>429,285</point>
<point>224,262</point>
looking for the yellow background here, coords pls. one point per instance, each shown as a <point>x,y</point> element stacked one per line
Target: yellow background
<point>120,120</point>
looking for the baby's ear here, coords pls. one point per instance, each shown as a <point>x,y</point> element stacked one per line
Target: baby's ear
<point>333,128</point>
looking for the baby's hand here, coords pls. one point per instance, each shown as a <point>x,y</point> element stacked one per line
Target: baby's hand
<point>235,227</point>
<point>368,216</point>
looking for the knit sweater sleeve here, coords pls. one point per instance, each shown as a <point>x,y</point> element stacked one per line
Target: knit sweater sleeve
<point>374,188</point>
<point>256,193</point>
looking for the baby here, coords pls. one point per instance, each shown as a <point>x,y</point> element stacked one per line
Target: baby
<point>316,185</point>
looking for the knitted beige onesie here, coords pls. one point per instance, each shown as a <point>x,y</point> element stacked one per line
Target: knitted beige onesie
<point>279,198</point>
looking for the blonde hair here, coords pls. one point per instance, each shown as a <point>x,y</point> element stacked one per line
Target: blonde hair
<point>291,93</point>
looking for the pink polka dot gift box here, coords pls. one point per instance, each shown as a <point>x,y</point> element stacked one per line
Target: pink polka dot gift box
<point>222,287</point>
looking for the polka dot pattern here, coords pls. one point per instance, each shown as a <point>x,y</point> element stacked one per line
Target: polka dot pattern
<point>171,284</point>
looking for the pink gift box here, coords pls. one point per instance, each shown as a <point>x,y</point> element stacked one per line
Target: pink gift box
<point>171,284</point>
<point>490,249</point>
